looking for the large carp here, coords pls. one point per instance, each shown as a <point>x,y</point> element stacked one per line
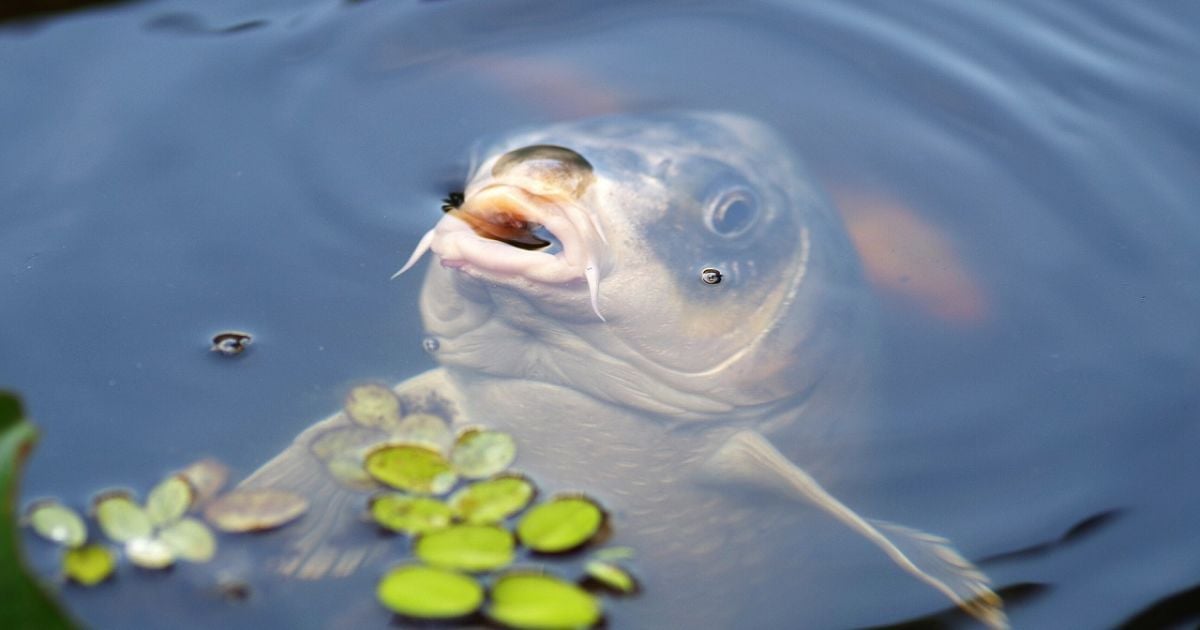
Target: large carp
<point>666,314</point>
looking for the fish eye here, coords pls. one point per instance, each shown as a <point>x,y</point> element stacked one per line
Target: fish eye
<point>732,212</point>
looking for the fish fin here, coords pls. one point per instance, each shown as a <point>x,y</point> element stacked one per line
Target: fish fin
<point>750,458</point>
<point>323,539</point>
<point>332,540</point>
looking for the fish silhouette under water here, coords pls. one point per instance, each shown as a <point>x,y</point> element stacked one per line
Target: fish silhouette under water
<point>568,308</point>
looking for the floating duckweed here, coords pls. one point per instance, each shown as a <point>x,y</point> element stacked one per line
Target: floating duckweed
<point>149,553</point>
<point>89,565</point>
<point>120,518</point>
<point>346,441</point>
<point>480,453</point>
<point>190,540</point>
<point>169,500</point>
<point>611,576</point>
<point>57,523</point>
<point>207,477</point>
<point>349,472</point>
<point>412,468</point>
<point>493,500</point>
<point>533,600</point>
<point>561,524</point>
<point>373,406</point>
<point>408,514</point>
<point>467,548</point>
<point>255,510</point>
<point>429,593</point>
<point>426,429</point>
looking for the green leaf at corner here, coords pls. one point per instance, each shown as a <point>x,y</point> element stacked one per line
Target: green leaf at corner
<point>26,605</point>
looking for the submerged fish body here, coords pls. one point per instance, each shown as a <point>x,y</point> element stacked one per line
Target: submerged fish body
<point>621,373</point>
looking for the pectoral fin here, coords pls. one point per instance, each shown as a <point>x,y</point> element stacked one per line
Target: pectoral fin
<point>749,458</point>
<point>332,539</point>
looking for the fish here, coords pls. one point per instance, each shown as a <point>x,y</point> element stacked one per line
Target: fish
<point>666,312</point>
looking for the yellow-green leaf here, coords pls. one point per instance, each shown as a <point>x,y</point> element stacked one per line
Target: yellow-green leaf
<point>57,523</point>
<point>561,524</point>
<point>611,576</point>
<point>169,500</point>
<point>409,514</point>
<point>89,565</point>
<point>467,548</point>
<point>535,601</point>
<point>190,539</point>
<point>429,593</point>
<point>412,468</point>
<point>120,518</point>
<point>255,510</point>
<point>373,406</point>
<point>493,500</point>
<point>480,453</point>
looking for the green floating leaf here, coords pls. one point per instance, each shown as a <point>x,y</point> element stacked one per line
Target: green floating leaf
<point>373,406</point>
<point>57,523</point>
<point>25,603</point>
<point>426,429</point>
<point>255,510</point>
<point>412,468</point>
<point>428,593</point>
<point>149,553</point>
<point>471,548</point>
<point>120,518</point>
<point>89,565</point>
<point>561,524</point>
<point>207,477</point>
<point>352,441</point>
<point>493,500</point>
<point>169,500</point>
<point>190,540</point>
<point>611,576</point>
<point>349,472</point>
<point>410,515</point>
<point>480,453</point>
<point>535,601</point>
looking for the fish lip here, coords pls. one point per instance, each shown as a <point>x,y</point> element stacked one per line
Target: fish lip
<point>583,258</point>
<point>458,245</point>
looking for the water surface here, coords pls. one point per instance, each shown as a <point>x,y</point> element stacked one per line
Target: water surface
<point>172,169</point>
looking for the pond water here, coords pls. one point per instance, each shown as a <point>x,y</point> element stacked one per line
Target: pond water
<point>1020,179</point>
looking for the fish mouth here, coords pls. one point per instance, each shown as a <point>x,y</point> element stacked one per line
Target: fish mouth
<point>497,234</point>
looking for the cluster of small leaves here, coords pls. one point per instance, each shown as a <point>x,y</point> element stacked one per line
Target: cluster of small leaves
<point>152,536</point>
<point>460,539</point>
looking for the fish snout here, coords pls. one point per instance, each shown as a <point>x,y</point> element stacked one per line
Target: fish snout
<point>545,170</point>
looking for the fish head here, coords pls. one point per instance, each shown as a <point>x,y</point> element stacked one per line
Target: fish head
<point>681,264</point>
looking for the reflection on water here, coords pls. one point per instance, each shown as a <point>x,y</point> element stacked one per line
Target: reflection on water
<point>1020,177</point>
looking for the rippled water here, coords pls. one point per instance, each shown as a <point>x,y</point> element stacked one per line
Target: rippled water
<point>1021,178</point>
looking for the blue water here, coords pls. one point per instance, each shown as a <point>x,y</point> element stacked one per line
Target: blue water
<point>172,169</point>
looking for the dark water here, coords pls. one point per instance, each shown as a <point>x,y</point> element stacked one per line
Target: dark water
<point>172,169</point>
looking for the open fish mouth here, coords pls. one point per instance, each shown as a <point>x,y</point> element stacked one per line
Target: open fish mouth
<point>503,230</point>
